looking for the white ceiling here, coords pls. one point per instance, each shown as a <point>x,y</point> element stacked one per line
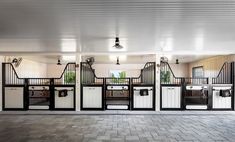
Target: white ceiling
<point>144,26</point>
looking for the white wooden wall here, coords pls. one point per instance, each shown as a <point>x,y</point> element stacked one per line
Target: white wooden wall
<point>212,65</point>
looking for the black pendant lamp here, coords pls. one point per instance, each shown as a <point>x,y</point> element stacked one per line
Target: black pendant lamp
<point>117,43</point>
<point>117,61</point>
<point>177,61</point>
<point>58,62</point>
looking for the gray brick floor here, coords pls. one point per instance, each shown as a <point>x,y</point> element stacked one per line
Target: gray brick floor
<point>118,128</point>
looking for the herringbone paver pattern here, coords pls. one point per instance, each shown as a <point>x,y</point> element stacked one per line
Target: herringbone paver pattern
<point>118,128</point>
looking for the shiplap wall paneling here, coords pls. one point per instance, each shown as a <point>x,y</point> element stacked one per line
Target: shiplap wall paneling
<point>212,65</point>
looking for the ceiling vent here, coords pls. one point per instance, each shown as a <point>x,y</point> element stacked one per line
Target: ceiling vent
<point>117,44</point>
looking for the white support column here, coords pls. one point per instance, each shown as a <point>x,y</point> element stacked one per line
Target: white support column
<point>78,89</point>
<point>1,60</point>
<point>157,93</point>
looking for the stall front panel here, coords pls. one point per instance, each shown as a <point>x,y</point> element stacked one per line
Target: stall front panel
<point>223,88</point>
<point>170,88</point>
<point>92,98</point>
<point>39,97</point>
<point>143,98</point>
<point>36,93</point>
<point>64,98</point>
<point>143,88</point>
<point>171,97</point>
<point>92,89</point>
<point>13,98</point>
<point>196,96</point>
<point>117,94</point>
<point>222,98</point>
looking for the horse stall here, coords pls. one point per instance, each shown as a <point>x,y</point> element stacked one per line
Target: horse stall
<point>179,93</point>
<point>118,93</point>
<point>38,93</point>
<point>197,93</point>
<point>223,88</point>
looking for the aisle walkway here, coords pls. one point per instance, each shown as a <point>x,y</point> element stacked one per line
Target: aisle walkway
<point>167,126</point>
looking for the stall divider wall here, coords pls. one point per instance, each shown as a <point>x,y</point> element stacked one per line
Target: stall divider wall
<point>46,89</point>
<point>196,92</point>
<point>90,91</point>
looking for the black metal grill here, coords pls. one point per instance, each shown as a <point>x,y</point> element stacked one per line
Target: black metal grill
<point>68,77</point>
<point>88,75</point>
<point>147,75</point>
<point>167,75</point>
<point>225,74</point>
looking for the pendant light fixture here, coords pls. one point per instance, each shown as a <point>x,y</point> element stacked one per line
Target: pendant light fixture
<point>58,62</point>
<point>117,43</point>
<point>177,61</point>
<point>117,61</point>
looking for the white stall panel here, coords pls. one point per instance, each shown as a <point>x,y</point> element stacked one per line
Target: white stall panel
<point>92,97</point>
<point>143,101</point>
<point>64,102</point>
<point>14,97</point>
<point>171,97</point>
<point>221,102</point>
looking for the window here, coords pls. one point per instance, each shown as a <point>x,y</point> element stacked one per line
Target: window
<point>198,72</point>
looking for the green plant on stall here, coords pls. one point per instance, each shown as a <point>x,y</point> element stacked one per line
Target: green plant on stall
<point>70,77</point>
<point>165,76</point>
<point>120,79</point>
